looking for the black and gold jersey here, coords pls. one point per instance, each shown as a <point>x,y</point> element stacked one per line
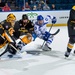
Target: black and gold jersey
<point>22,28</point>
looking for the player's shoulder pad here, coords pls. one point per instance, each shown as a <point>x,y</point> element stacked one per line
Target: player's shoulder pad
<point>20,21</point>
<point>36,23</point>
<point>31,23</point>
<point>17,22</point>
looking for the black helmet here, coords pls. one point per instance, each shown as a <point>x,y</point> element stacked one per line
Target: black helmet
<point>24,17</point>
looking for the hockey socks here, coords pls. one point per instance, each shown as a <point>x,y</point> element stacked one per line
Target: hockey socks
<point>69,48</point>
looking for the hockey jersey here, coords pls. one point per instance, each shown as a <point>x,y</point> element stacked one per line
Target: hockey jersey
<point>41,29</point>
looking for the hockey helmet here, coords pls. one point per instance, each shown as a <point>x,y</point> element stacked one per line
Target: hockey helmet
<point>24,17</point>
<point>73,7</point>
<point>11,17</point>
<point>40,17</point>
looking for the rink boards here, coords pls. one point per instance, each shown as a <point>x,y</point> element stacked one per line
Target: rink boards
<point>61,16</point>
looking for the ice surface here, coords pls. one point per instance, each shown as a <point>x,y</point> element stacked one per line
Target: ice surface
<point>52,63</point>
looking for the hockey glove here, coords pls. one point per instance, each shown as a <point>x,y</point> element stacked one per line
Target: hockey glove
<point>46,36</point>
<point>54,20</point>
<point>34,36</point>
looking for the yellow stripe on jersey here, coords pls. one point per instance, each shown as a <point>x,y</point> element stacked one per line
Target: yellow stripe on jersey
<point>23,30</point>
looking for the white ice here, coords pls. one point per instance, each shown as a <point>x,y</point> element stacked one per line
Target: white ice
<point>52,63</point>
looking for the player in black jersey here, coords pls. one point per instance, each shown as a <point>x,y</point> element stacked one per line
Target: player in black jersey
<point>71,32</point>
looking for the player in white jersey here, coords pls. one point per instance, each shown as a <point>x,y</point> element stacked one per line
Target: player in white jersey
<point>41,31</point>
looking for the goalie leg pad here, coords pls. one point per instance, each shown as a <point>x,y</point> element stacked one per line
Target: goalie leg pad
<point>3,50</point>
<point>11,49</point>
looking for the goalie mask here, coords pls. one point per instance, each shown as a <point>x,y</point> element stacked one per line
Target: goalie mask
<point>11,18</point>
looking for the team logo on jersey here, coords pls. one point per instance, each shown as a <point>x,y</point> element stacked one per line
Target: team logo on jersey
<point>6,27</point>
<point>20,24</point>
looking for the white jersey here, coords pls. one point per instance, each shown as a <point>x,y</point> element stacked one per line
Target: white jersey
<point>41,29</point>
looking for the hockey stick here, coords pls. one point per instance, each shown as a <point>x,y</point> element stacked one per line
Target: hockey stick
<point>51,34</point>
<point>56,32</point>
<point>14,48</point>
<point>49,31</point>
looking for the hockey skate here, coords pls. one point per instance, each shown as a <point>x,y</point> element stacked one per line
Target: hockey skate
<point>17,55</point>
<point>74,52</point>
<point>39,46</point>
<point>14,56</point>
<point>46,48</point>
<point>67,54</point>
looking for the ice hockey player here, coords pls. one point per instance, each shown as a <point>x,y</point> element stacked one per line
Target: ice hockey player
<point>6,35</point>
<point>23,26</point>
<point>8,25</point>
<point>41,31</point>
<point>71,32</point>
